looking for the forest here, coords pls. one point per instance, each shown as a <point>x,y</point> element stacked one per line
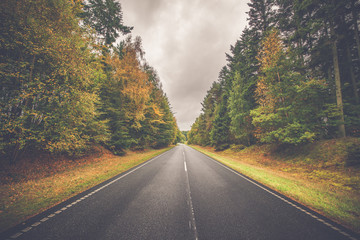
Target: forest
<point>291,78</point>
<point>72,77</point>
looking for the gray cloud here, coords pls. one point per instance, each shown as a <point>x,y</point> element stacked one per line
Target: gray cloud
<point>186,41</point>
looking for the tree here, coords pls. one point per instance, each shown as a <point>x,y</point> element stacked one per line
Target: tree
<point>167,127</point>
<point>286,98</point>
<point>126,94</point>
<point>50,80</point>
<point>240,105</point>
<point>106,17</point>
<point>243,66</point>
<point>220,134</point>
<point>206,119</point>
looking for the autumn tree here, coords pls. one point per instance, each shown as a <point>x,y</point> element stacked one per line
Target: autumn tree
<point>49,77</point>
<point>290,107</point>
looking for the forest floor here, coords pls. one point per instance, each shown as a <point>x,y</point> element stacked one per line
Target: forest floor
<point>36,184</point>
<point>324,176</point>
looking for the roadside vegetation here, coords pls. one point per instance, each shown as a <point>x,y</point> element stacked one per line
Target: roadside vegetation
<point>319,175</point>
<point>285,108</point>
<point>71,82</point>
<point>35,184</point>
<point>291,78</point>
<point>70,79</point>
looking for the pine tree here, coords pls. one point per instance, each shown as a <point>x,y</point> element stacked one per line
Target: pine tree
<point>286,98</point>
<point>240,104</point>
<point>106,17</point>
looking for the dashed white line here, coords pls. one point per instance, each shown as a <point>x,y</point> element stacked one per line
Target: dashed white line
<point>192,222</point>
<point>16,235</point>
<point>44,219</point>
<point>36,224</point>
<point>26,229</point>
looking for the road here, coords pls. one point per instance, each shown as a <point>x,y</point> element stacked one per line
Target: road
<point>181,194</point>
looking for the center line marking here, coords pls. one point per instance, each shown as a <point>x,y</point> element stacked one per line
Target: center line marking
<point>192,222</point>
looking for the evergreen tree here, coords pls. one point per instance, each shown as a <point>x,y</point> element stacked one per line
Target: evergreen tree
<point>261,16</point>
<point>105,16</point>
<point>290,107</point>
<point>167,128</point>
<point>243,66</point>
<point>240,104</point>
<point>220,134</point>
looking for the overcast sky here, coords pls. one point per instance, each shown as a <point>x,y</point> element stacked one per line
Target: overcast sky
<point>186,42</point>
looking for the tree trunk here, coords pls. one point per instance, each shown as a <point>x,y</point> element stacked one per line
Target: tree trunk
<point>339,101</point>
<point>352,75</point>
<point>356,28</point>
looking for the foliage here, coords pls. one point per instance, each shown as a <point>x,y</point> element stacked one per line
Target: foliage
<point>240,104</point>
<point>62,91</point>
<point>105,17</point>
<point>49,78</point>
<point>219,134</point>
<point>290,86</point>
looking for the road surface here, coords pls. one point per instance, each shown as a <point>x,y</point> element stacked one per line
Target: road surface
<point>181,194</point>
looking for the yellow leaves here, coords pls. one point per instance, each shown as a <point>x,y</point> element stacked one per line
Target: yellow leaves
<point>136,86</point>
<point>271,51</point>
<point>269,57</point>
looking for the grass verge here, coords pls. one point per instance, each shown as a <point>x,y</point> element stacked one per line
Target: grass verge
<point>331,191</point>
<point>31,187</point>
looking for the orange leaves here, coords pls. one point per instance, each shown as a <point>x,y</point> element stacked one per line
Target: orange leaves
<point>271,51</point>
<point>135,83</point>
<point>269,57</point>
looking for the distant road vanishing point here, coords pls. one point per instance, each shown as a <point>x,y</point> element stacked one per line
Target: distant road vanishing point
<point>180,194</point>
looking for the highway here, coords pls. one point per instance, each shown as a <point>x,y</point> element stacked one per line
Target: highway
<point>180,194</point>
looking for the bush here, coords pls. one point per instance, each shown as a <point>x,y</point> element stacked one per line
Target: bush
<point>237,148</point>
<point>222,147</point>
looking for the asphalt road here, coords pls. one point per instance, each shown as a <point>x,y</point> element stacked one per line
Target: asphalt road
<point>181,194</point>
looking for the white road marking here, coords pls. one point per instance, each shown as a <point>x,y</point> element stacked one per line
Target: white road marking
<point>192,222</point>
<point>88,195</point>
<point>26,229</point>
<point>16,235</point>
<point>44,219</point>
<point>284,200</point>
<point>36,224</point>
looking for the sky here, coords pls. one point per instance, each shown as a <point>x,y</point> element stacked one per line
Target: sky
<point>186,41</point>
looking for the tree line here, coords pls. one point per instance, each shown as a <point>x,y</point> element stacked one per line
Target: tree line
<point>291,78</point>
<point>68,82</point>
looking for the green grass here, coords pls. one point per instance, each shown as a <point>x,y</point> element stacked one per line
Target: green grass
<point>338,202</point>
<point>31,189</point>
